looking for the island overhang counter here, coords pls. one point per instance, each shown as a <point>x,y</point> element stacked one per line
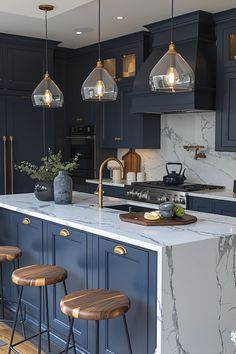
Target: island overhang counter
<point>195,275</point>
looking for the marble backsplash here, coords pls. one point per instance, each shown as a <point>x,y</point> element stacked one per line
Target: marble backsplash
<point>178,130</point>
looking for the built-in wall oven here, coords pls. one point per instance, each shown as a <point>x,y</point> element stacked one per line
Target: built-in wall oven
<point>82,140</point>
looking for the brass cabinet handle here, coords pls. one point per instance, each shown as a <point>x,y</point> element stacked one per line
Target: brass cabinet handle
<point>26,221</point>
<point>118,79</point>
<point>4,139</point>
<point>121,250</point>
<point>11,164</point>
<point>64,233</point>
<point>117,138</point>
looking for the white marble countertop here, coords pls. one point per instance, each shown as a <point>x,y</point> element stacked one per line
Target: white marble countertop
<point>223,194</point>
<point>84,214</point>
<point>107,182</point>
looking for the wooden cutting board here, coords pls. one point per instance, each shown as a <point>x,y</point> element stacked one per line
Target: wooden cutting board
<point>132,162</point>
<point>138,218</point>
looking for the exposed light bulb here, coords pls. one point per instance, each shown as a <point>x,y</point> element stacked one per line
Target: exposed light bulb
<point>47,97</point>
<point>172,77</point>
<point>100,89</point>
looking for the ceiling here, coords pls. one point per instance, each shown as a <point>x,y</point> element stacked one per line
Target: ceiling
<point>24,18</point>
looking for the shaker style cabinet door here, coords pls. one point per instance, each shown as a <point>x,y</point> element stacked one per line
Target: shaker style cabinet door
<point>24,140</point>
<point>67,248</point>
<point>29,238</point>
<point>25,67</point>
<point>128,273</point>
<point>3,151</point>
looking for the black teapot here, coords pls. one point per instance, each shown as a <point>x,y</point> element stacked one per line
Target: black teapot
<point>174,177</point>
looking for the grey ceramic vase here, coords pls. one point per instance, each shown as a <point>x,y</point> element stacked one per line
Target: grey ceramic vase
<point>63,188</point>
<point>43,190</point>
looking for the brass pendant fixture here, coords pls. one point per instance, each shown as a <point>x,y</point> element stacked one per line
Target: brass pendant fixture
<point>172,73</point>
<point>47,94</point>
<point>99,85</point>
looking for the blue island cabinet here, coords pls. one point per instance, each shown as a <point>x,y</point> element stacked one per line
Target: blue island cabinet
<point>67,248</point>
<point>27,233</point>
<point>133,273</point>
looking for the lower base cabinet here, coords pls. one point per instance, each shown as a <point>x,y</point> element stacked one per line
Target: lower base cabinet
<point>91,262</point>
<point>214,206</point>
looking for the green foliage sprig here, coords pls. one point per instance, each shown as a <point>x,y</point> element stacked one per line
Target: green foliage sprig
<point>52,164</point>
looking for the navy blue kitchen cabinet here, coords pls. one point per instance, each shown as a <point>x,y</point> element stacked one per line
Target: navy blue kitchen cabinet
<point>22,67</point>
<point>7,238</point>
<point>214,206</point>
<point>119,128</point>
<point>122,129</point>
<point>71,253</point>
<point>28,232</point>
<point>203,205</point>
<point>132,273</point>
<point>226,81</point>
<point>91,262</point>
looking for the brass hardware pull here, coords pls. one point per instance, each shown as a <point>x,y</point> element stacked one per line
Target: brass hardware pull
<point>64,233</point>
<point>11,164</point>
<point>121,250</point>
<point>26,221</point>
<point>118,79</point>
<point>117,138</point>
<point>4,139</point>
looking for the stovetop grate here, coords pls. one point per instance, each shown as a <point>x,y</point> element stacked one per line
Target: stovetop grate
<point>185,187</point>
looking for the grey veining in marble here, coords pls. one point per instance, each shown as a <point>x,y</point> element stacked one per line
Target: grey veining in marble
<point>196,269</point>
<point>178,130</point>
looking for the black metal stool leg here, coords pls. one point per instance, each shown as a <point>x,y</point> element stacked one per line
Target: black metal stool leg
<point>69,319</point>
<point>1,291</point>
<point>47,318</point>
<point>16,316</point>
<point>69,335</point>
<point>21,311</point>
<point>40,319</point>
<point>97,336</point>
<point>127,334</point>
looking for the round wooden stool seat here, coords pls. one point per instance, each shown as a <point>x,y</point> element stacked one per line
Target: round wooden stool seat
<point>9,253</point>
<point>39,275</point>
<point>95,304</point>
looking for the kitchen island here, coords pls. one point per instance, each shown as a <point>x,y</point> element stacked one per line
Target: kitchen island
<point>183,293</point>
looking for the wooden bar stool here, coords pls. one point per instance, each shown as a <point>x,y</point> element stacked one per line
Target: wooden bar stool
<point>9,254</point>
<point>40,276</point>
<point>95,304</point>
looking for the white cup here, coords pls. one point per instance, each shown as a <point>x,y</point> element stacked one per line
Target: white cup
<point>116,176</point>
<point>140,176</point>
<point>131,177</point>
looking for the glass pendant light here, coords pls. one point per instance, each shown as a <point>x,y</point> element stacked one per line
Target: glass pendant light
<point>99,85</point>
<point>47,94</point>
<point>172,73</point>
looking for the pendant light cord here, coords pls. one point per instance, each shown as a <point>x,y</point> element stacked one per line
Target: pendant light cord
<point>99,29</point>
<point>172,21</point>
<point>46,41</point>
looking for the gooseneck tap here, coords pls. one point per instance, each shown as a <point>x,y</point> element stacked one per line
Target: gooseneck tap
<point>101,170</point>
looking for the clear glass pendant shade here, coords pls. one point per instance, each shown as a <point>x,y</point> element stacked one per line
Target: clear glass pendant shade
<point>47,94</point>
<point>172,73</point>
<point>99,85</point>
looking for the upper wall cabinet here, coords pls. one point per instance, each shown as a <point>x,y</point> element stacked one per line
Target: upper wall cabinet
<point>226,81</point>
<point>124,55</point>
<point>25,68</point>
<point>22,62</point>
